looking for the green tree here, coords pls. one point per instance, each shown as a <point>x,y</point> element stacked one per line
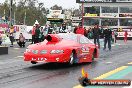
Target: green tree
<point>56,7</point>
<point>28,10</point>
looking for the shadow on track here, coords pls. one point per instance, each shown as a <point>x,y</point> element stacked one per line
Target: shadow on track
<point>58,66</point>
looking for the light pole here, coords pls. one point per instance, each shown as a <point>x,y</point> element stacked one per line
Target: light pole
<point>82,14</point>
<point>25,18</point>
<point>11,2</point>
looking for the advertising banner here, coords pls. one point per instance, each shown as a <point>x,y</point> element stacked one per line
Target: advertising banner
<point>90,15</point>
<point>109,15</point>
<point>22,29</point>
<point>124,15</point>
<point>103,1</point>
<point>121,34</point>
<point>55,14</point>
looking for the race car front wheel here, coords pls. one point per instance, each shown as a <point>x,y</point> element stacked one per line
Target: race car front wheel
<point>71,61</point>
<point>33,62</point>
<point>73,58</point>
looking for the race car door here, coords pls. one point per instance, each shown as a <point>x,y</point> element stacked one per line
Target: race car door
<point>85,49</point>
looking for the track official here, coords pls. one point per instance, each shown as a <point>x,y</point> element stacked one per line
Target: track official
<point>107,37</point>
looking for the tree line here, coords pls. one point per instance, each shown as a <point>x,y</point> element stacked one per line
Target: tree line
<point>26,11</point>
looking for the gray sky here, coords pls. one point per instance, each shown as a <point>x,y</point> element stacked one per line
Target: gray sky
<point>63,3</point>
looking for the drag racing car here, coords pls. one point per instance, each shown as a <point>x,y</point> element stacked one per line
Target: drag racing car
<point>62,48</point>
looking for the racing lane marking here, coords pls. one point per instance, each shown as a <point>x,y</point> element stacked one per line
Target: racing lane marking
<point>106,75</point>
<point>111,72</point>
<point>121,74</point>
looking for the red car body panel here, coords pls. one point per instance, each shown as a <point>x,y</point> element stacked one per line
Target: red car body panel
<point>57,43</point>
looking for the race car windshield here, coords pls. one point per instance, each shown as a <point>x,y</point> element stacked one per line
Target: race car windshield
<point>68,37</point>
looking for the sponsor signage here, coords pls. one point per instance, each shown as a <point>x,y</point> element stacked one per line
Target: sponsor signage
<point>22,29</point>
<point>55,14</point>
<point>125,15</point>
<point>103,1</point>
<point>55,20</point>
<point>121,34</point>
<point>109,15</point>
<point>91,15</point>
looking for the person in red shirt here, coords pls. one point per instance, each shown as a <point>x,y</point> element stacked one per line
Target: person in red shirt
<point>80,30</point>
<point>33,34</point>
<point>125,36</point>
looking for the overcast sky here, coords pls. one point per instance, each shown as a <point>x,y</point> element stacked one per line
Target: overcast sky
<point>63,3</point>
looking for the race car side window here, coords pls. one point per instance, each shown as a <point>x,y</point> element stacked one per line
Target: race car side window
<point>84,40</point>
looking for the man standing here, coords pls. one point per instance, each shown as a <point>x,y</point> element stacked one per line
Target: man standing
<point>74,31</point>
<point>11,35</point>
<point>107,37</point>
<point>37,33</point>
<point>45,33</point>
<point>125,36</point>
<point>33,34</point>
<point>96,33</point>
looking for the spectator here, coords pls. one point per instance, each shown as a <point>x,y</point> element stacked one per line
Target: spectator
<point>37,33</point>
<point>11,35</point>
<point>96,33</point>
<point>21,41</point>
<point>41,35</point>
<point>125,36</point>
<point>101,32</point>
<point>45,33</point>
<point>90,33</point>
<point>85,32</point>
<point>107,37</point>
<point>33,34</point>
<point>115,34</point>
<point>0,38</point>
<point>80,30</point>
<point>75,29</point>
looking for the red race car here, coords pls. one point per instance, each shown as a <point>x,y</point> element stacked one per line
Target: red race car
<point>62,48</point>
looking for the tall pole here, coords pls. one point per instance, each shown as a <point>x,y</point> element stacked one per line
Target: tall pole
<point>82,14</point>
<point>11,1</point>
<point>25,18</point>
<point>14,18</point>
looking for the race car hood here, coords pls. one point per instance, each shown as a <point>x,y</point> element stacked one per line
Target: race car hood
<point>53,42</point>
<point>53,45</point>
